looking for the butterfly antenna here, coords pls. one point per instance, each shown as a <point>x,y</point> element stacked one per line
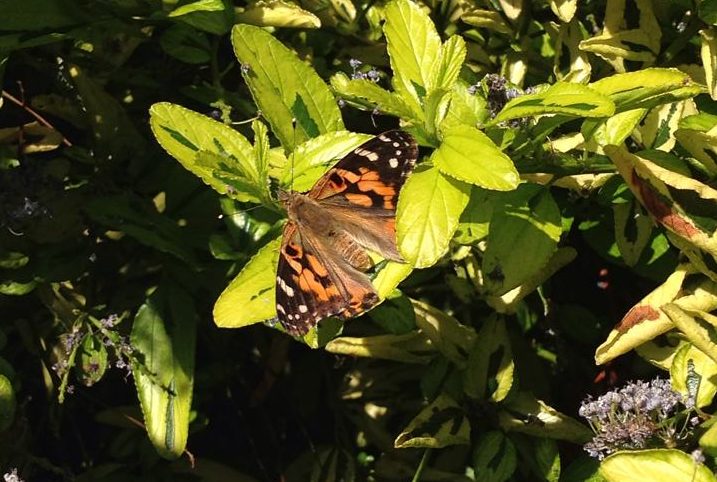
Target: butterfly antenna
<point>240,211</point>
<point>293,153</point>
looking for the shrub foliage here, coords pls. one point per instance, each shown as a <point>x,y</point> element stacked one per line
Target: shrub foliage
<point>559,232</point>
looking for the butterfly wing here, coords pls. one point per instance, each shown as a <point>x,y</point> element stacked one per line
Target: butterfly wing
<point>313,282</point>
<point>317,274</point>
<point>361,190</point>
<point>371,175</point>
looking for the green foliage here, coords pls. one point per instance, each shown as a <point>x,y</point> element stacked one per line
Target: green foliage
<point>559,232</point>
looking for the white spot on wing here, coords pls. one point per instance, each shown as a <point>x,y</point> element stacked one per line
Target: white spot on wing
<point>393,162</point>
<point>384,138</point>
<point>303,308</point>
<point>396,144</point>
<point>284,287</point>
<point>370,155</point>
<point>280,309</point>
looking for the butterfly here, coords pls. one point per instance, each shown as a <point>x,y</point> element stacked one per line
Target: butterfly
<point>323,257</point>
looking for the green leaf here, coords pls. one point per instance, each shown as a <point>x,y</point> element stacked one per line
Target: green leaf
<point>427,216</point>
<point>115,135</point>
<point>16,288</point>
<point>13,260</point>
<point>697,326</point>
<point>490,372</point>
<point>708,441</point>
<point>687,358</point>
<point>389,276</point>
<point>522,238</point>
<point>395,315</point>
<point>564,9</point>
<point>213,16</point>
<point>314,157</point>
<point>8,404</point>
<point>633,229</point>
<point>277,13</point>
<point>91,360</point>
<point>561,98</point>
<point>644,321</point>
<point>708,11</point>
<point>700,144</point>
<point>547,459</point>
<point>446,333</point>
<point>370,96</point>
<point>186,44</point>
<point>216,153</point>
<point>412,347</point>
<point>469,155</point>
<point>475,219</point>
<point>613,130</point>
<point>55,14</point>
<point>435,106</point>
<point>138,219</point>
<point>414,48</point>
<point>285,88</point>
<point>494,457</point>
<point>452,55</point>
<point>441,424</point>
<point>647,88</point>
<point>163,335</point>
<point>708,53</point>
<point>526,414</point>
<point>656,464</point>
<point>465,109</point>
<point>249,298</point>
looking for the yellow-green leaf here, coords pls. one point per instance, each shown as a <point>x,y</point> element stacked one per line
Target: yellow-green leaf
<point>277,13</point>
<point>284,88</point>
<point>491,367</point>
<point>561,98</point>
<point>647,88</point>
<point>441,424</point>
<point>699,328</point>
<point>526,414</point>
<point>428,211</point>
<point>708,52</point>
<point>521,240</point>
<point>219,155</point>
<point>469,155</point>
<point>703,365</point>
<point>163,335</point>
<point>644,321</point>
<point>413,347</point>
<point>249,298</point>
<point>657,464</point>
<point>446,333</point>
<point>632,230</point>
<point>414,50</point>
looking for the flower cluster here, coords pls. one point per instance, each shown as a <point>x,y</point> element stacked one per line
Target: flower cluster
<point>104,331</point>
<point>372,74</point>
<point>638,415</point>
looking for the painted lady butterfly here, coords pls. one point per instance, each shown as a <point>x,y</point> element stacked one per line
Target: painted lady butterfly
<point>323,256</point>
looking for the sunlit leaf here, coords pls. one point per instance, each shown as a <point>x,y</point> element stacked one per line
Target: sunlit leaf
<point>656,464</point>
<point>163,334</point>
<point>284,88</point>
<point>442,423</point>
<point>428,211</point>
<point>469,155</point>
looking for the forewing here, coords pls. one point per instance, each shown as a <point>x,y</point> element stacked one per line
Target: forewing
<point>311,284</point>
<point>361,190</point>
<point>371,175</point>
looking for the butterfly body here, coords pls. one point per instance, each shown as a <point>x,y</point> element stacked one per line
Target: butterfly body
<point>325,243</point>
